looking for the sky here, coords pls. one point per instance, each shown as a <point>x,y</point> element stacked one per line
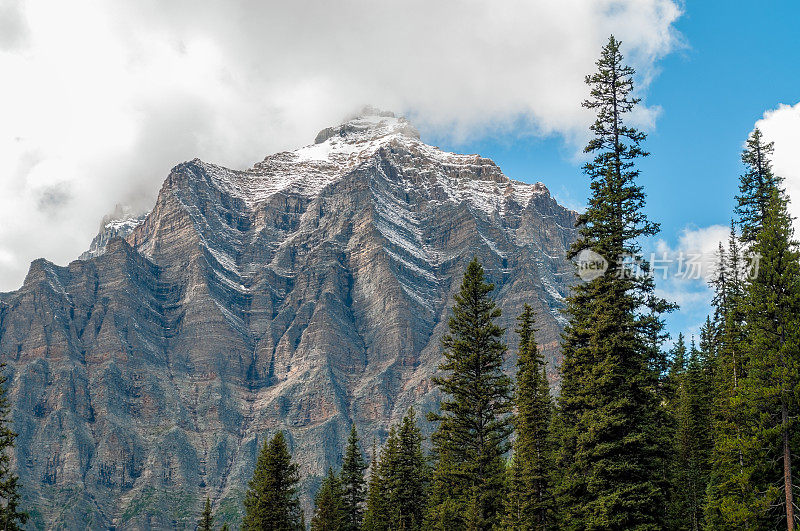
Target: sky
<point>99,100</point>
<point>736,66</point>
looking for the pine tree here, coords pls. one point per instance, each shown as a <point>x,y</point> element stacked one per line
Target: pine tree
<point>514,515</point>
<point>374,515</point>
<point>673,391</point>
<point>613,448</point>
<point>733,499</point>
<point>11,517</point>
<point>206,519</point>
<point>755,185</point>
<point>692,439</point>
<point>677,467</point>
<point>771,387</point>
<point>474,418</point>
<point>677,371</point>
<point>407,477</point>
<point>352,478</point>
<point>708,351</point>
<point>388,464</point>
<point>730,496</point>
<point>330,513</point>
<point>530,502</point>
<point>271,501</point>
<point>398,483</point>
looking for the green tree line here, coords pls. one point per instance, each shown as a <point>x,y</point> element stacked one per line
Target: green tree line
<point>703,436</point>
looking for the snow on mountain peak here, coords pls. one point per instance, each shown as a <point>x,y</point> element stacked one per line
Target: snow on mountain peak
<point>119,224</point>
<point>340,149</point>
<point>370,123</point>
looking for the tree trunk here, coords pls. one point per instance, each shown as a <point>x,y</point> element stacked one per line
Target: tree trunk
<point>787,467</point>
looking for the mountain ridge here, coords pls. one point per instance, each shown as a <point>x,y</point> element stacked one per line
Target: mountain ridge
<point>304,293</point>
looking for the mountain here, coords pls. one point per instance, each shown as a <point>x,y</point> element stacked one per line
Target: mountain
<point>304,294</point>
<point>118,224</point>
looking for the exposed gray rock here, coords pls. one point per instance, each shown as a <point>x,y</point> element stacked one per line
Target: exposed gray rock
<point>303,294</point>
<point>116,225</point>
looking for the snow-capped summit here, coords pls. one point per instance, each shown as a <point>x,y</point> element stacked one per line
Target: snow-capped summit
<point>118,224</point>
<point>341,149</point>
<point>305,294</point>
<point>370,123</point>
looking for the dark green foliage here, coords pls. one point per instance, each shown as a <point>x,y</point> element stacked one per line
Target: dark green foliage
<point>756,362</point>
<point>271,501</point>
<point>770,390</point>
<point>611,417</point>
<point>330,513</point>
<point>352,478</point>
<point>407,480</point>
<point>730,494</point>
<point>529,500</point>
<point>474,418</point>
<point>691,407</point>
<point>11,516</point>
<point>677,368</point>
<point>398,483</point>
<point>206,519</point>
<point>755,186</point>
<point>514,514</point>
<point>672,392</point>
<point>376,500</point>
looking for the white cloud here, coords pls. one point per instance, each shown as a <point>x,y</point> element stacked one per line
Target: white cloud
<point>685,269</point>
<point>696,245</point>
<point>689,266</point>
<point>100,99</point>
<point>782,126</point>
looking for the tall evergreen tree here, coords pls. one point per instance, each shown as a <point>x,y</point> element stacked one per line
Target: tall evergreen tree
<point>530,502</point>
<point>398,485</point>
<point>708,350</point>
<point>206,519</point>
<point>692,442</point>
<point>677,368</point>
<point>733,500</point>
<point>11,516</point>
<point>407,477</point>
<point>474,419</point>
<point>514,516</point>
<point>374,515</point>
<point>271,501</point>
<point>330,513</point>
<point>772,386</point>
<point>673,389</point>
<point>352,478</point>
<point>730,496</point>
<point>755,185</point>
<point>613,449</point>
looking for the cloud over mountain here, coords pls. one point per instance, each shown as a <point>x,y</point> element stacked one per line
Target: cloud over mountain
<point>104,97</point>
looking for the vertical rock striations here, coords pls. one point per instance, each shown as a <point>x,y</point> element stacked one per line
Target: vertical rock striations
<point>303,294</point>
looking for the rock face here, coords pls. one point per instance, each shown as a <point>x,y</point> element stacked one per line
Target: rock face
<point>117,225</point>
<point>303,294</point>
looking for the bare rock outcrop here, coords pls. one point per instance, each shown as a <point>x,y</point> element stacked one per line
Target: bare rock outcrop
<point>303,294</point>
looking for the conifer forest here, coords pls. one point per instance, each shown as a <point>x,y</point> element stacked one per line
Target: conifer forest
<point>634,429</point>
<point>702,435</point>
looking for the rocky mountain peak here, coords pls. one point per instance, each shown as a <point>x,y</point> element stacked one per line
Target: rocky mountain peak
<point>117,224</point>
<point>369,124</point>
<point>305,294</point>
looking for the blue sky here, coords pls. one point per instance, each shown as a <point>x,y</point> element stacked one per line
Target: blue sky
<point>738,60</point>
